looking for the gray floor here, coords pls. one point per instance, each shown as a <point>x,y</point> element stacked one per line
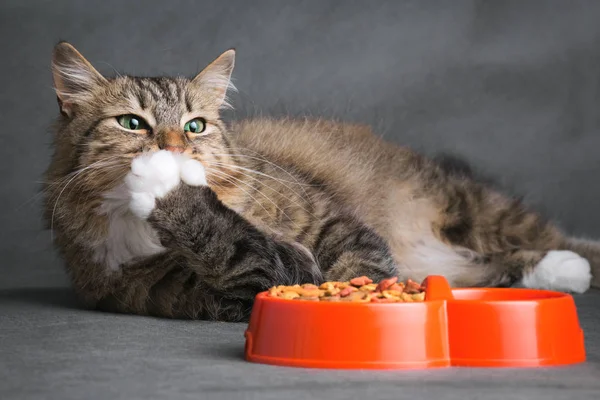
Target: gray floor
<point>51,349</point>
<point>514,87</point>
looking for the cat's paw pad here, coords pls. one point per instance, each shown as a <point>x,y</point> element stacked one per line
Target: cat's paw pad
<point>152,176</point>
<point>192,172</point>
<point>560,270</point>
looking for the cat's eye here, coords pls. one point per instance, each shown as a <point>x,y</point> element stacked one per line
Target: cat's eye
<point>196,125</point>
<point>132,122</point>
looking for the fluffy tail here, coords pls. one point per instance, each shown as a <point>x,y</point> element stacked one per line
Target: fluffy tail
<point>590,250</point>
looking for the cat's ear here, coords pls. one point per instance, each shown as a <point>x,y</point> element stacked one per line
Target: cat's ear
<point>215,79</point>
<point>74,78</point>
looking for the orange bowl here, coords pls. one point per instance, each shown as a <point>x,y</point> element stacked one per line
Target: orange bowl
<point>513,328</point>
<point>462,327</point>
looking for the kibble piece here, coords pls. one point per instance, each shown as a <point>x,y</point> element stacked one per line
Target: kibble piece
<point>386,283</point>
<point>412,287</point>
<point>357,290</point>
<point>419,296</point>
<point>397,286</point>
<point>369,287</point>
<point>309,298</point>
<point>310,293</point>
<point>290,294</point>
<point>406,297</point>
<point>330,298</point>
<point>361,281</point>
<point>348,290</point>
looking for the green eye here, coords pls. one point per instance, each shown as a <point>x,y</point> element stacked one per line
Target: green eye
<point>132,122</point>
<point>196,125</point>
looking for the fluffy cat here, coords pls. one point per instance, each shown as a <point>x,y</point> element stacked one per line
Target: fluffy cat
<point>161,209</point>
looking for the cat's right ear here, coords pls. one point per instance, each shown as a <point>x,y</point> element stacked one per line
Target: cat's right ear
<point>74,78</point>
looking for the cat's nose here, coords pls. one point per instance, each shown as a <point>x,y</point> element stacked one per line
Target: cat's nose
<point>175,149</point>
<point>172,141</point>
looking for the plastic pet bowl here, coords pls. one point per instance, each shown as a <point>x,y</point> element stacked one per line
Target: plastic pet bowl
<point>460,327</point>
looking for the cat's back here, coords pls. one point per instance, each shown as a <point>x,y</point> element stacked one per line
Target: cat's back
<point>370,176</point>
<point>328,151</point>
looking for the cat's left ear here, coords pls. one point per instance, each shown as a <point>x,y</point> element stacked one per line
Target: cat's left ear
<point>215,79</point>
<point>74,78</point>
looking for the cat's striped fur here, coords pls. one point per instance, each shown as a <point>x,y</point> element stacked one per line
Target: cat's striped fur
<point>287,201</point>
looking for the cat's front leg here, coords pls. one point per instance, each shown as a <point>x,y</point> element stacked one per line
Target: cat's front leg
<point>346,248</point>
<point>230,254</point>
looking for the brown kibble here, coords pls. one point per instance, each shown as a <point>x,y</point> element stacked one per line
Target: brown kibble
<point>296,288</point>
<point>346,291</point>
<point>397,287</point>
<point>419,296</point>
<point>290,294</point>
<point>412,287</point>
<point>386,291</point>
<point>358,297</point>
<point>368,288</point>
<point>360,281</point>
<point>310,293</point>
<point>406,297</point>
<point>386,283</point>
<point>308,298</point>
<point>391,294</point>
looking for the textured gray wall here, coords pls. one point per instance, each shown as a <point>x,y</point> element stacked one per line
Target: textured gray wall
<point>514,87</point>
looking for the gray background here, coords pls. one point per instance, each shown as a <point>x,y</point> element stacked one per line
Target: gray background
<point>514,87</point>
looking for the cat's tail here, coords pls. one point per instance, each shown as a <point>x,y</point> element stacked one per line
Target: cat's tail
<point>590,250</point>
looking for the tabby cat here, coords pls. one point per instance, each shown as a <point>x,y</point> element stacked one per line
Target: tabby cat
<point>160,208</point>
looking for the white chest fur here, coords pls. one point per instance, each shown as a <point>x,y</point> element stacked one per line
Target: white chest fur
<point>128,237</point>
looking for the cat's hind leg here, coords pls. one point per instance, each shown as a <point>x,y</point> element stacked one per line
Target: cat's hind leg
<point>560,270</point>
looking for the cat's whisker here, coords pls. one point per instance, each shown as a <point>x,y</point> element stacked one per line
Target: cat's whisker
<point>268,199</point>
<point>259,156</point>
<point>295,181</point>
<point>259,173</point>
<point>107,185</point>
<point>91,166</point>
<point>294,201</point>
<point>77,174</point>
<point>228,178</point>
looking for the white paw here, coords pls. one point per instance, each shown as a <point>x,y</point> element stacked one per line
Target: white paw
<point>560,270</point>
<point>192,173</point>
<point>154,175</point>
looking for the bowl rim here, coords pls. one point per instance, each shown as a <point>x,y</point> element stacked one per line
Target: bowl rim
<point>546,296</point>
<point>264,296</point>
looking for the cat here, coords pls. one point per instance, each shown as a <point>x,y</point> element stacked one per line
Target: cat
<point>160,208</point>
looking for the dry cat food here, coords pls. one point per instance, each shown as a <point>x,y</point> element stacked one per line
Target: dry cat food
<point>357,290</point>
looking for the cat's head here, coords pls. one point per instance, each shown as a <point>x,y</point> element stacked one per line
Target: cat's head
<point>107,119</point>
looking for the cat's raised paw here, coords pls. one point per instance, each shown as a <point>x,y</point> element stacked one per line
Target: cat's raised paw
<point>152,176</point>
<point>192,173</point>
<point>560,270</point>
